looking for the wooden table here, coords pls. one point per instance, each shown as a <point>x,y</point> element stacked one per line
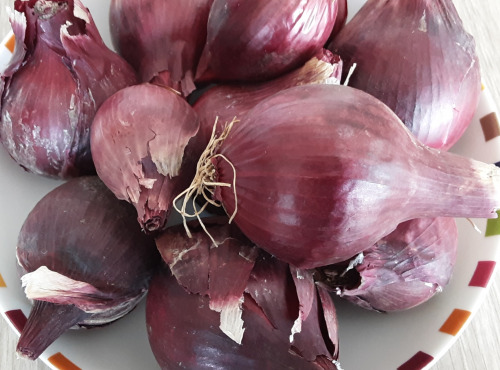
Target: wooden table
<point>478,348</point>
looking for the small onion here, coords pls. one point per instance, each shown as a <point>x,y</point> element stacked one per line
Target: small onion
<point>240,307</point>
<point>262,39</point>
<point>139,142</point>
<point>161,39</point>
<point>83,260</point>
<point>417,58</point>
<point>59,75</point>
<point>315,174</point>
<point>402,270</point>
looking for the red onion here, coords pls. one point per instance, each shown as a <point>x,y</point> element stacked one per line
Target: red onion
<point>272,316</point>
<point>58,51</point>
<point>139,142</point>
<point>161,39</point>
<point>262,39</point>
<point>340,21</point>
<point>417,58</point>
<point>316,174</point>
<point>83,260</point>
<point>402,270</point>
<point>224,102</point>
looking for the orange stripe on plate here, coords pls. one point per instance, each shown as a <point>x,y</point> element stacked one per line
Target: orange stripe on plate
<point>455,321</point>
<point>2,282</point>
<point>61,362</point>
<point>11,44</point>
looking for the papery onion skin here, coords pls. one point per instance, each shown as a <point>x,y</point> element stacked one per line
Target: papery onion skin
<point>402,270</point>
<point>324,171</point>
<point>225,102</point>
<point>285,318</point>
<point>144,150</point>
<point>259,40</point>
<point>161,37</point>
<point>81,232</point>
<point>48,133</point>
<point>416,57</point>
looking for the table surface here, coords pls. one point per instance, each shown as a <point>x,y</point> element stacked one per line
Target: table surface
<point>479,345</point>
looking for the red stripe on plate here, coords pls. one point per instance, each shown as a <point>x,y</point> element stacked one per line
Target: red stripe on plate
<point>482,274</point>
<point>417,362</point>
<point>455,321</point>
<point>17,318</point>
<point>61,362</point>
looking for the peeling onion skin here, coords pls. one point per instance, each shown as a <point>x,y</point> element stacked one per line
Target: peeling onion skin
<point>323,172</point>
<point>80,231</point>
<point>295,319</point>
<point>224,102</point>
<point>145,150</point>
<point>402,270</point>
<point>48,134</point>
<point>183,333</point>
<point>260,40</point>
<point>416,57</point>
<point>161,37</point>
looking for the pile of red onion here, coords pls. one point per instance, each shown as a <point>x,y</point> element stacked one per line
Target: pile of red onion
<point>318,142</point>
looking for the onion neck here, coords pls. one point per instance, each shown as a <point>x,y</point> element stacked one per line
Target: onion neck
<point>450,185</point>
<point>47,322</point>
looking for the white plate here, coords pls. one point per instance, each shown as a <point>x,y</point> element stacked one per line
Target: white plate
<point>367,340</point>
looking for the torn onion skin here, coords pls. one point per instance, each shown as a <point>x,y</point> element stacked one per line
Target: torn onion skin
<point>222,103</point>
<point>161,39</point>
<point>83,260</point>
<point>417,58</point>
<point>58,49</point>
<point>262,39</point>
<point>324,172</point>
<point>144,149</point>
<point>402,270</point>
<point>234,306</point>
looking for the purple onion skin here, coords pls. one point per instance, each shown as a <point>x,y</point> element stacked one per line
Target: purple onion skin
<point>323,172</point>
<point>340,21</point>
<point>161,39</point>
<point>416,57</point>
<point>225,102</point>
<point>48,133</point>
<point>260,40</point>
<point>81,231</point>
<point>276,297</point>
<point>145,150</point>
<point>183,334</point>
<point>402,270</point>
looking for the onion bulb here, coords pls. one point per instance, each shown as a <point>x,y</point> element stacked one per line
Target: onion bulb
<point>161,39</point>
<point>59,75</point>
<point>262,39</point>
<point>235,306</point>
<point>402,270</point>
<point>316,174</point>
<point>143,149</point>
<point>417,58</point>
<point>83,261</point>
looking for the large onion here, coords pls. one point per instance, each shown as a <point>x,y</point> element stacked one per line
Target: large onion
<point>59,75</point>
<point>161,39</point>
<point>261,39</point>
<point>318,173</point>
<point>416,57</point>
<point>83,260</point>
